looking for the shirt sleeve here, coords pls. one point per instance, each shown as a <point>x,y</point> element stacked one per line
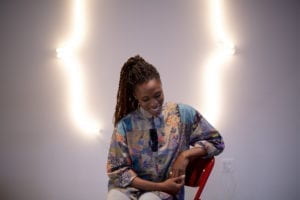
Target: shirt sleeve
<point>119,164</point>
<point>202,133</point>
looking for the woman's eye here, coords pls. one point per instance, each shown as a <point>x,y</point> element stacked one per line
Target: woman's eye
<point>158,95</point>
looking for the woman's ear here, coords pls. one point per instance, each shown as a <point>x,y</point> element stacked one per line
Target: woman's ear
<point>135,95</point>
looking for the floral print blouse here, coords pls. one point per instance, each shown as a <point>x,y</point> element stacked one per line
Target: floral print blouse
<point>179,127</point>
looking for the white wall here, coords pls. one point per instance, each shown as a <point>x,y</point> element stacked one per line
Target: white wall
<point>44,156</point>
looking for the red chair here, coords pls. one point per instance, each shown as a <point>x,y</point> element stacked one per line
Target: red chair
<point>197,173</point>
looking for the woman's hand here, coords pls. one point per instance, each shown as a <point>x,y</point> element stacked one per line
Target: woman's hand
<point>179,166</point>
<point>172,185</point>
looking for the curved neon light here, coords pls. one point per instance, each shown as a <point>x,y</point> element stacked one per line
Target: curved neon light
<point>212,70</point>
<point>67,53</point>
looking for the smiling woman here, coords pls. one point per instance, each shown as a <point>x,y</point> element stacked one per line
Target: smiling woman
<point>150,145</point>
<point>150,96</point>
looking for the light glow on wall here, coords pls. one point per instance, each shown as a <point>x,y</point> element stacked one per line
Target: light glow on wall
<point>223,50</point>
<point>68,54</point>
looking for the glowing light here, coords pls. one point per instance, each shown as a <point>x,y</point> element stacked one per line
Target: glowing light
<point>67,53</point>
<point>212,70</point>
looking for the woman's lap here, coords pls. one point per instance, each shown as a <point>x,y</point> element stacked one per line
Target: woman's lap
<point>115,194</point>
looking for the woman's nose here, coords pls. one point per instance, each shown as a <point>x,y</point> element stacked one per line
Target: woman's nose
<point>154,103</point>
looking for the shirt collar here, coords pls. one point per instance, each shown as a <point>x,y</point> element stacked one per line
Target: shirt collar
<point>145,113</point>
<point>156,121</point>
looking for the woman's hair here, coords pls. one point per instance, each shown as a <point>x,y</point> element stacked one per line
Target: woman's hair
<point>135,71</point>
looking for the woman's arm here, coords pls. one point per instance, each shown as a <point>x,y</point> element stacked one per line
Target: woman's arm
<point>180,164</point>
<point>201,133</point>
<point>119,164</point>
<point>205,139</point>
<point>171,185</point>
<point>194,152</point>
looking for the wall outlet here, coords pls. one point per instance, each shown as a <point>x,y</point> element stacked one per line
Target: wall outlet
<point>228,165</point>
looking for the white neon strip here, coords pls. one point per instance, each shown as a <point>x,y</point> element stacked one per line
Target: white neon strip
<point>74,71</point>
<point>212,92</point>
<point>79,26</point>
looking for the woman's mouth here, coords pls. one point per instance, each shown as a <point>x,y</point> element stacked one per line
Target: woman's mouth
<point>156,110</point>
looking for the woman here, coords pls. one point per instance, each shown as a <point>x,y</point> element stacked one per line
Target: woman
<point>150,145</point>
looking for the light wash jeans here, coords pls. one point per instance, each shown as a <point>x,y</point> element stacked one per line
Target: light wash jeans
<point>117,195</point>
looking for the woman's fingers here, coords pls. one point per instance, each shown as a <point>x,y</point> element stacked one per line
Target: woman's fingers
<point>173,173</point>
<point>180,180</point>
<point>176,172</point>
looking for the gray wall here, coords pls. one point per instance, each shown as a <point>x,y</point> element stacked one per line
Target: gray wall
<point>44,156</point>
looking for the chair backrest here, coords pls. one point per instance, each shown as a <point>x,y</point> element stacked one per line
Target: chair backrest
<point>197,173</point>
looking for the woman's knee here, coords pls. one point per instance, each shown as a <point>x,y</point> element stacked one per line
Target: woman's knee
<point>115,194</point>
<point>149,196</point>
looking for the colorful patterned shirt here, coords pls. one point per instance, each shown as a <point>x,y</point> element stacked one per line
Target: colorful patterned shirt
<point>179,127</point>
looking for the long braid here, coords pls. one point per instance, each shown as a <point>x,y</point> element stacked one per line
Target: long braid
<point>135,71</point>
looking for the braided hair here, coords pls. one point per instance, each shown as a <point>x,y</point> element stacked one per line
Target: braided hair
<point>134,71</point>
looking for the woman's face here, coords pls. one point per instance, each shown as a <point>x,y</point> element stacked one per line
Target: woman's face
<point>150,96</point>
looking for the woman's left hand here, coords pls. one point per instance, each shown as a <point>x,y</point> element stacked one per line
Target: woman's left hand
<point>179,166</point>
